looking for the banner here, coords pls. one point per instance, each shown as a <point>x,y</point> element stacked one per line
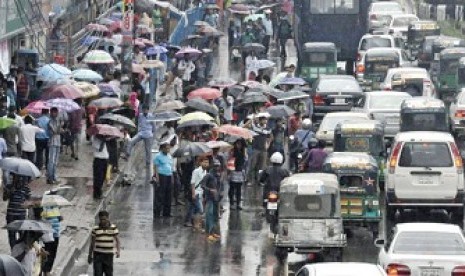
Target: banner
<point>128,17</point>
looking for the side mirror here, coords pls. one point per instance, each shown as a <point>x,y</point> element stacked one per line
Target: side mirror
<point>379,243</point>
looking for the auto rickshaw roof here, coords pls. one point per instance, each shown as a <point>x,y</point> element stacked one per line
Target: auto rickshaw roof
<point>310,184</point>
<point>381,52</point>
<point>352,160</point>
<point>320,47</point>
<point>359,127</point>
<point>448,41</point>
<point>424,25</point>
<point>455,52</point>
<point>422,103</point>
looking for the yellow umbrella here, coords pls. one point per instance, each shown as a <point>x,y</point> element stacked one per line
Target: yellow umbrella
<point>195,116</point>
<point>90,90</point>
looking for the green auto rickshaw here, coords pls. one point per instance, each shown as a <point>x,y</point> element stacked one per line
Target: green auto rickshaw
<point>358,177</point>
<point>417,31</point>
<point>439,44</point>
<point>317,58</point>
<point>461,74</point>
<point>363,136</point>
<point>446,81</point>
<point>377,62</point>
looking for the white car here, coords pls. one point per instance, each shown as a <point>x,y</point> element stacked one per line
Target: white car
<point>400,22</point>
<point>423,249</point>
<point>369,41</point>
<point>330,121</point>
<point>457,113</point>
<point>341,269</point>
<point>380,12</point>
<point>427,89</point>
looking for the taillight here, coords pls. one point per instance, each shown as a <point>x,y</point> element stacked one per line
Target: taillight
<point>318,100</point>
<point>373,17</point>
<point>457,158</point>
<point>360,68</point>
<point>359,56</point>
<point>458,271</point>
<point>460,113</point>
<point>386,88</point>
<point>397,270</point>
<point>272,197</point>
<point>394,157</point>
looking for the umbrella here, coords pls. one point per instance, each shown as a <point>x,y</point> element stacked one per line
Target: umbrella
<point>139,43</point>
<point>174,48</point>
<point>171,105</point>
<point>221,145</point>
<point>65,105</point>
<point>190,52</point>
<point>236,131</point>
<point>29,225</point>
<point>201,23</point>
<point>262,64</point>
<point>105,130</point>
<point>155,50</point>
<point>254,17</point>
<point>289,95</point>
<point>222,82</point>
<point>53,72</point>
<point>36,107</point>
<point>89,90</point>
<point>115,25</point>
<point>152,63</point>
<point>202,105</point>
<point>235,90</point>
<point>240,9</point>
<point>89,40</point>
<point>145,41</point>
<point>205,93</point>
<point>250,83</point>
<point>212,6</point>
<point>98,57</point>
<point>118,119</point>
<point>6,122</point>
<point>254,97</point>
<point>256,47</point>
<point>87,75</point>
<point>192,149</point>
<point>280,111</point>
<point>195,116</point>
<point>19,166</point>
<point>55,200</point>
<point>105,103</point>
<point>109,89</point>
<point>116,16</point>
<point>165,116</point>
<point>291,81</point>
<point>105,21</point>
<point>196,123</point>
<point>210,31</point>
<point>10,266</point>
<point>66,91</point>
<point>124,111</point>
<point>137,69</point>
<point>97,27</point>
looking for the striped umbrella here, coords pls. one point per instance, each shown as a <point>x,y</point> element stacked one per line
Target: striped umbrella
<point>87,75</point>
<point>98,57</point>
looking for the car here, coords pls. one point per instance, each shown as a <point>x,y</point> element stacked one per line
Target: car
<point>457,113</point>
<point>341,269</point>
<point>419,249</point>
<point>380,12</point>
<point>403,61</point>
<point>425,173</point>
<point>369,41</point>
<point>385,107</point>
<point>399,24</point>
<point>333,93</point>
<point>331,120</point>
<point>426,88</point>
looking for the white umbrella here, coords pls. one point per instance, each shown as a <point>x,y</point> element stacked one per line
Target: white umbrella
<point>55,200</point>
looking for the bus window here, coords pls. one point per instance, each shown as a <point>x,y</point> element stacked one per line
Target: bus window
<point>334,6</point>
<point>346,7</point>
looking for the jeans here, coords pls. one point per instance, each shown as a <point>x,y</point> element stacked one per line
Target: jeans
<point>266,43</point>
<point>234,190</point>
<point>51,248</point>
<point>257,163</point>
<point>103,264</point>
<point>41,148</point>
<point>211,216</point>
<point>165,191</point>
<point>76,141</point>
<point>195,207</point>
<point>148,142</point>
<point>99,170</point>
<point>54,153</point>
<point>282,43</point>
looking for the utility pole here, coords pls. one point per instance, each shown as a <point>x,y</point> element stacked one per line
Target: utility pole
<point>127,32</point>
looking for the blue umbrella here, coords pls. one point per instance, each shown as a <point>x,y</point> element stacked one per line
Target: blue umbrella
<point>155,50</point>
<point>89,40</point>
<point>87,75</point>
<point>53,72</point>
<point>291,81</point>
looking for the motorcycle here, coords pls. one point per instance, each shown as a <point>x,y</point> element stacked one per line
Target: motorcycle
<point>271,211</point>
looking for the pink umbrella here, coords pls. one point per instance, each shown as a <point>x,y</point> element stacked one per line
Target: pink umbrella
<point>66,91</point>
<point>205,93</point>
<point>147,42</point>
<point>36,107</point>
<point>190,52</point>
<point>105,130</point>
<point>97,27</point>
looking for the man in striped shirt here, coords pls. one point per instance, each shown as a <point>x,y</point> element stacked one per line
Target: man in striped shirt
<point>18,194</point>
<point>104,243</point>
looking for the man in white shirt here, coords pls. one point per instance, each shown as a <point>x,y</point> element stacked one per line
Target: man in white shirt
<point>186,67</point>
<point>250,65</point>
<point>27,138</point>
<point>268,29</point>
<point>100,164</point>
<point>226,104</point>
<point>195,204</point>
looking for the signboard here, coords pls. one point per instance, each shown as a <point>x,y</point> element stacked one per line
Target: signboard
<point>128,17</point>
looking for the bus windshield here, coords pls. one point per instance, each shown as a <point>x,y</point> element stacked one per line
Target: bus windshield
<point>449,66</point>
<point>315,58</point>
<point>334,6</point>
<point>424,121</point>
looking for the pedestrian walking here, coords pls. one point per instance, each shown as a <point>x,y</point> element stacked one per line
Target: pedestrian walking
<point>75,128</point>
<point>146,131</point>
<point>27,135</point>
<point>29,253</point>
<point>52,215</point>
<point>100,164</point>
<point>260,145</point>
<point>105,244</point>
<point>284,33</point>
<point>55,128</point>
<point>237,177</point>
<point>17,194</point>
<point>22,88</point>
<point>211,187</point>
<point>11,136</point>
<point>163,175</point>
<point>268,29</point>
<point>42,139</point>
<point>277,142</point>
<point>195,207</point>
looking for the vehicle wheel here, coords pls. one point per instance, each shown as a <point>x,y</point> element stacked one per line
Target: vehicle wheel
<point>281,254</point>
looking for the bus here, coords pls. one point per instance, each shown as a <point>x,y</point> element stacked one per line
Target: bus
<point>342,22</point>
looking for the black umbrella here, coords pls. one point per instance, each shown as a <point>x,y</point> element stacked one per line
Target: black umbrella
<point>254,97</point>
<point>125,111</point>
<point>289,95</point>
<point>202,105</point>
<point>196,123</point>
<point>280,111</point>
<point>236,90</point>
<point>118,119</point>
<point>192,149</point>
<point>29,225</point>
<point>19,166</point>
<point>9,266</point>
<point>256,47</point>
<point>222,82</point>
<point>166,116</point>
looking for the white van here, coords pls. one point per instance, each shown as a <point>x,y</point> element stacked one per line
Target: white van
<point>425,171</point>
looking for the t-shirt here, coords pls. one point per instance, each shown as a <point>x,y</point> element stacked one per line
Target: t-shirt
<point>52,215</point>
<point>164,164</point>
<point>197,176</point>
<point>211,182</point>
<point>17,197</point>
<point>100,148</point>
<point>27,137</point>
<point>105,239</point>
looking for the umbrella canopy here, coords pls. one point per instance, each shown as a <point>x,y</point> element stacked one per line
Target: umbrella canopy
<point>139,44</point>
<point>98,57</point>
<point>105,21</point>
<point>66,91</point>
<point>250,83</point>
<point>89,40</point>
<point>105,130</point>
<point>240,9</point>
<point>171,105</point>
<point>291,81</point>
<point>254,97</point>
<point>210,31</point>
<point>222,82</point>
<point>155,50</point>
<point>192,149</point>
<point>205,93</point>
<point>97,27</point>
<point>152,63</point>
<point>196,123</point>
<point>165,116</point>
<point>87,75</point>
<point>221,145</point>
<point>29,225</point>
<point>257,47</point>
<point>105,103</point>
<point>10,266</point>
<point>36,107</point>
<point>190,52</point>
<point>65,105</point>
<point>53,72</point>
<point>107,89</point>
<point>6,122</point>
<point>118,119</point>
<point>89,90</point>
<point>261,64</point>
<point>254,17</point>
<point>202,105</point>
<point>145,41</point>
<point>19,166</point>
<point>235,90</point>
<point>289,95</point>
<point>55,200</point>
<point>137,69</point>
<point>200,23</point>
<point>196,116</point>
<point>280,111</point>
<point>236,131</point>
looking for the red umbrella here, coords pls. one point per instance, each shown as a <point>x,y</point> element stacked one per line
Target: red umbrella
<point>236,131</point>
<point>66,91</point>
<point>105,130</point>
<point>205,93</point>
<point>97,27</point>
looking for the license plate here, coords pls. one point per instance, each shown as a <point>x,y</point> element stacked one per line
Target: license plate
<point>425,180</point>
<point>339,101</point>
<point>272,205</point>
<point>430,272</point>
